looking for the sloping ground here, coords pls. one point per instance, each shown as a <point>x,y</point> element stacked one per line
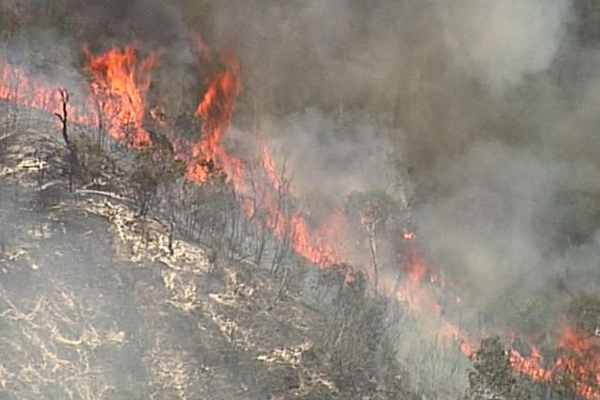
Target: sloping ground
<point>98,304</point>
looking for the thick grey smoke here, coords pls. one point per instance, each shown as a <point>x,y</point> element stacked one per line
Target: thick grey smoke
<point>501,43</point>
<point>446,74</point>
<point>332,157</point>
<point>492,223</point>
<point>492,104</point>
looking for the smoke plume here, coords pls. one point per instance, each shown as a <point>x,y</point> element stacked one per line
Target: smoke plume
<point>492,106</point>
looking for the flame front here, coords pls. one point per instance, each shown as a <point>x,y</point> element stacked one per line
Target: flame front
<point>19,88</point>
<point>214,112</point>
<point>116,102</point>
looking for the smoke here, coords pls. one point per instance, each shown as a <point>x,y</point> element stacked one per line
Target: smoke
<point>501,43</point>
<point>446,75</point>
<point>149,22</point>
<point>331,157</point>
<point>491,227</point>
<point>492,104</point>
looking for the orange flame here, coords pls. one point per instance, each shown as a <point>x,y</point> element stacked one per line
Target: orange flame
<point>120,84</point>
<point>411,290</point>
<point>408,235</point>
<point>19,88</point>
<point>214,112</point>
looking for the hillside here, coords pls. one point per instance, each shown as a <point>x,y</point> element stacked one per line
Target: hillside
<point>269,199</point>
<point>96,304</point>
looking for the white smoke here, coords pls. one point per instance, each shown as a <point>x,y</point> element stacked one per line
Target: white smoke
<point>331,157</point>
<point>502,42</point>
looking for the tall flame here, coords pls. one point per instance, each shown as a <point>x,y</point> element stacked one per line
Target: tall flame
<point>116,100</point>
<point>120,84</point>
<point>214,112</point>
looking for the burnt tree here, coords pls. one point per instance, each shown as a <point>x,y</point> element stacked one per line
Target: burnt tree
<point>63,117</point>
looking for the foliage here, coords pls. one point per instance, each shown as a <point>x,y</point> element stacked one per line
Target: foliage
<point>375,207</point>
<point>362,355</point>
<point>152,170</point>
<point>577,221</point>
<point>93,160</point>
<point>588,28</point>
<point>317,393</point>
<point>492,377</point>
<point>584,312</point>
<point>532,313</point>
<point>379,216</point>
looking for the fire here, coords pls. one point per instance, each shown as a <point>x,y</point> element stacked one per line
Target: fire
<point>215,111</point>
<point>269,166</point>
<point>408,235</point>
<point>580,360</point>
<point>529,366</point>
<point>579,353</point>
<point>576,341</point>
<point>452,333</point>
<point>19,88</point>
<point>116,100</point>
<point>120,84</point>
<point>118,87</point>
<point>317,245</point>
<point>411,289</point>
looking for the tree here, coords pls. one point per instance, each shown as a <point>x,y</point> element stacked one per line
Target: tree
<point>63,116</point>
<point>492,377</point>
<point>93,162</point>
<point>152,169</point>
<point>584,312</point>
<point>375,211</point>
<point>283,223</point>
<point>361,349</point>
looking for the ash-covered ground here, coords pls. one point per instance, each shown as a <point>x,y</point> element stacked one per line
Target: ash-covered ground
<point>98,303</point>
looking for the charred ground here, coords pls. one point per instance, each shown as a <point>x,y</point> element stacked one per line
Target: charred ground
<point>489,108</point>
<point>99,302</point>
